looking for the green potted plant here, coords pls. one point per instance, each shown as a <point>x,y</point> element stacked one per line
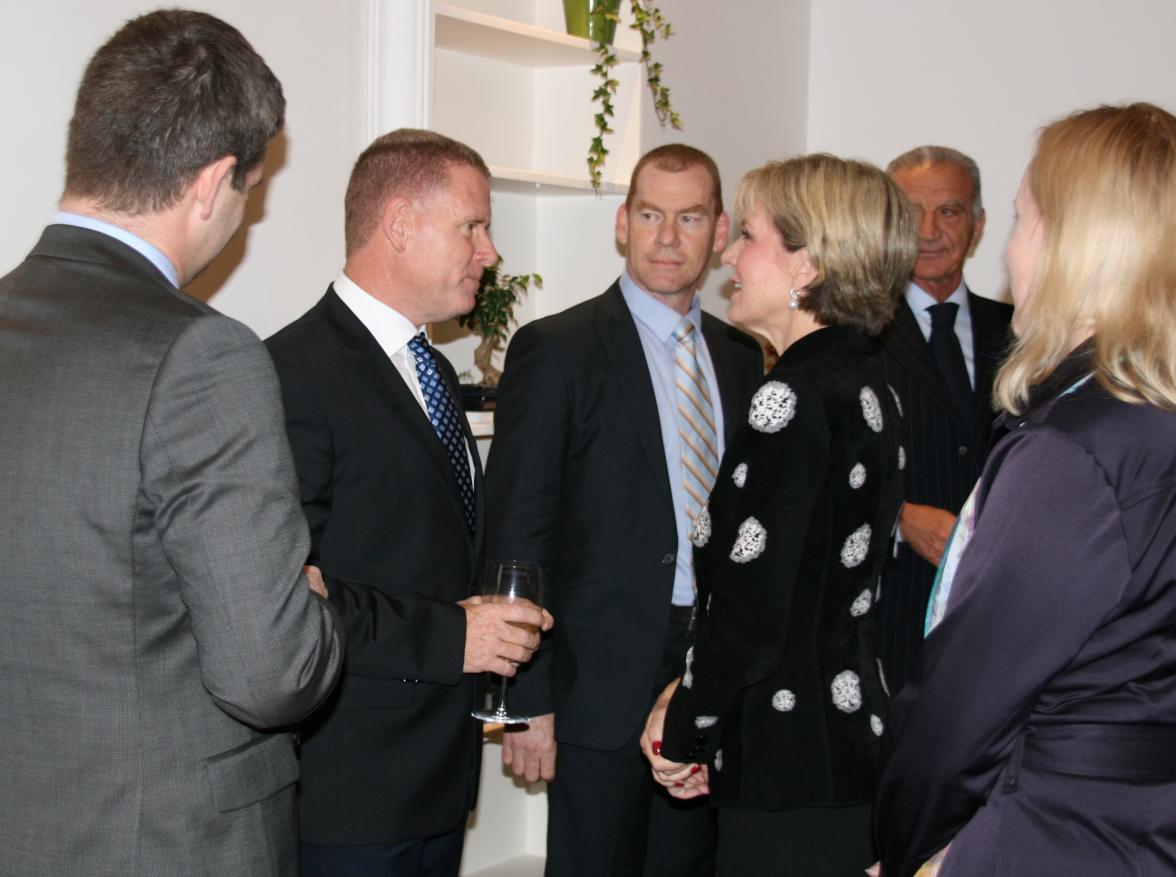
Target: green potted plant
<point>490,320</point>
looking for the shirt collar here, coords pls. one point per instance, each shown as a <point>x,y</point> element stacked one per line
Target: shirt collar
<point>919,299</point>
<point>655,315</point>
<point>145,249</point>
<point>391,329</point>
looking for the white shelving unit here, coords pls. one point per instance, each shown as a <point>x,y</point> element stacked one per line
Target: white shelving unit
<point>521,94</point>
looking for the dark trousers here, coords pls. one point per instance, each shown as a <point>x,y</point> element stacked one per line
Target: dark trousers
<point>902,612</point>
<point>608,818</point>
<point>424,857</point>
<point>804,842</point>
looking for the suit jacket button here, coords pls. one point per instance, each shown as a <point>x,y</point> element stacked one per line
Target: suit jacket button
<point>963,450</point>
<point>667,559</point>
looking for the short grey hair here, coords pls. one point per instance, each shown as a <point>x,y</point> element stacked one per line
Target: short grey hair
<point>922,156</point>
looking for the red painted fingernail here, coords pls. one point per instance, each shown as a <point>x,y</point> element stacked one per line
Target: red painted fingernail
<point>679,785</point>
<point>657,747</point>
<point>696,768</point>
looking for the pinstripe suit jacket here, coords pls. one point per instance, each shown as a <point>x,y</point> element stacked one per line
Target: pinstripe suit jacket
<point>944,459</point>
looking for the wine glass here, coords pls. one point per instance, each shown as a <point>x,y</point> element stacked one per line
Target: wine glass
<point>509,581</point>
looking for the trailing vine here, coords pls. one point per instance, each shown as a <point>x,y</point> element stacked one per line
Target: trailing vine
<point>648,21</point>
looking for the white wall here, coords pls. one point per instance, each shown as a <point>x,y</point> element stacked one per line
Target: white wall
<point>738,76</point>
<point>294,244</point>
<point>979,76</point>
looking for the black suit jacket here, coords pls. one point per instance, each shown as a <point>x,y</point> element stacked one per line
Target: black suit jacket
<point>577,481</point>
<point>943,458</point>
<point>393,754</point>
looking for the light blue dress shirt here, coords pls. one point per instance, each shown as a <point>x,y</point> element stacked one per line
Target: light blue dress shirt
<point>919,300</point>
<point>655,327</point>
<point>148,251</point>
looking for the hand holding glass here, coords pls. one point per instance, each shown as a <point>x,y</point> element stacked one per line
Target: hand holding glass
<point>509,581</point>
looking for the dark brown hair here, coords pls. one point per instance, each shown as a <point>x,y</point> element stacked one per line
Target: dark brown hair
<point>169,93</point>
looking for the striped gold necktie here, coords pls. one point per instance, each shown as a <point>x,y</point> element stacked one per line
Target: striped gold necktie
<point>696,422</point>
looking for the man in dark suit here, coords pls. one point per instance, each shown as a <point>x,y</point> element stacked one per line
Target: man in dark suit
<point>155,617</point>
<point>392,488</point>
<point>586,476</point>
<point>940,355</point>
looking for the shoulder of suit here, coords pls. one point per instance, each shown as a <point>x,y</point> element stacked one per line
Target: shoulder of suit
<point>729,334</point>
<point>570,323</point>
<point>998,309</point>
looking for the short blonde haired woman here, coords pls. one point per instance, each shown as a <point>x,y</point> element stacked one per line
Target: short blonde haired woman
<point>1039,735</point>
<point>780,708</point>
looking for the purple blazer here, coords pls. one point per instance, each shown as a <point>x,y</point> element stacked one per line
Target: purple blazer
<point>1038,736</point>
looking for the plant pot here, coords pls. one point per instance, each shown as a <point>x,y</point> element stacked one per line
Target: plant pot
<point>584,18</point>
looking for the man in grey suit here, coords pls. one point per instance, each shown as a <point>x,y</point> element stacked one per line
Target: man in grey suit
<point>156,618</point>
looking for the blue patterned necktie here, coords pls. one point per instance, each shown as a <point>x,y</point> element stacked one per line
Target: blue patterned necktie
<point>446,419</point>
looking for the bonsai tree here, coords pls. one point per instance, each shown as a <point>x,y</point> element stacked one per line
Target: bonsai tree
<point>493,315</point>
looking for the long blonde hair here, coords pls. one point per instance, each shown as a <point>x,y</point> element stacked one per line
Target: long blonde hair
<point>1104,181</point>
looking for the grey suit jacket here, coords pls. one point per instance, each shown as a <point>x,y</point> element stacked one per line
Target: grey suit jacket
<point>154,614</point>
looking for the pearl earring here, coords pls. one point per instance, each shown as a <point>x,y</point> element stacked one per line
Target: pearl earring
<point>795,303</point>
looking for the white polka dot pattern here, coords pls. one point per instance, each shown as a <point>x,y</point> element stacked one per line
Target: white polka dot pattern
<point>897,404</point>
<point>772,407</point>
<point>750,541</point>
<point>901,457</point>
<point>876,726</point>
<point>862,604</point>
<point>688,676</point>
<point>704,722</point>
<point>857,476</point>
<point>857,544</point>
<point>700,533</point>
<point>739,476</point>
<point>718,759</point>
<point>784,701</point>
<point>871,409</point>
<point>847,691</point>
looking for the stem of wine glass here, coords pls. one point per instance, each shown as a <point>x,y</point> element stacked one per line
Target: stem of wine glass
<point>502,680</point>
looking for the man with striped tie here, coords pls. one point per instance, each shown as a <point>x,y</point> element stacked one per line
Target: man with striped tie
<point>392,490</point>
<point>610,423</point>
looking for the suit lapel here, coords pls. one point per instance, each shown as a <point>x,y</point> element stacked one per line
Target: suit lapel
<point>364,354</point>
<point>618,335</point>
<point>725,376</point>
<point>989,338</point>
<point>905,342</point>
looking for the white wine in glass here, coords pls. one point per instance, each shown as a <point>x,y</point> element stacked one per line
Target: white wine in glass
<point>509,581</point>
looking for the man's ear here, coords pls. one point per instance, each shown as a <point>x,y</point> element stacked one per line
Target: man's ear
<point>722,232</point>
<point>397,223</point>
<point>622,226</point>
<point>210,182</point>
<point>977,234</point>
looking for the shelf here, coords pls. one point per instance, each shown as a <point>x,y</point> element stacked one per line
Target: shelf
<point>488,36</point>
<point>520,182</point>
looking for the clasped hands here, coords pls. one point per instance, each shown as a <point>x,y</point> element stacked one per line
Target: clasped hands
<point>681,780</point>
<point>500,635</point>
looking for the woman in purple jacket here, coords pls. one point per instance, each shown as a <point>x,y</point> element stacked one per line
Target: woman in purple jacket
<point>1039,735</point>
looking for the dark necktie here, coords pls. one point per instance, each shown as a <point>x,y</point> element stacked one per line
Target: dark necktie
<point>446,419</point>
<point>945,347</point>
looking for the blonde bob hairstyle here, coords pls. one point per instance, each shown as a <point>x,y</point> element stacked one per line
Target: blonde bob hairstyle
<point>1104,181</point>
<point>856,224</point>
